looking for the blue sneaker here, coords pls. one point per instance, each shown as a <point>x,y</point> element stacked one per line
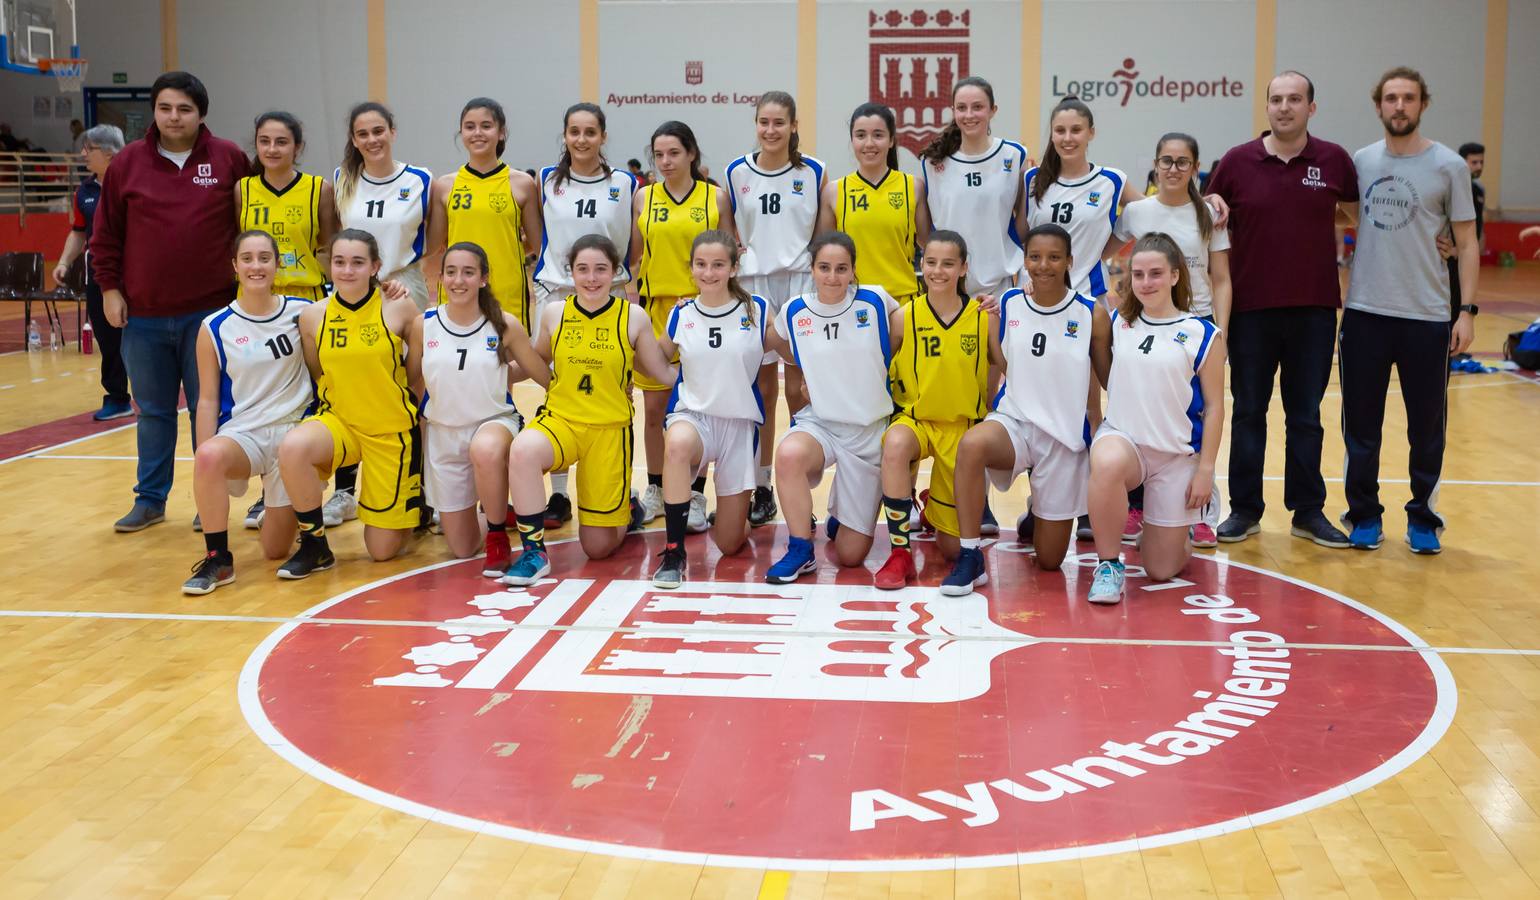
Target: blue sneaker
<point>1107,583</point>
<point>112,410</point>
<point>831,527</point>
<point>1422,539</point>
<point>1368,535</point>
<point>797,562</point>
<point>989,526</point>
<point>967,573</point>
<point>531,566</point>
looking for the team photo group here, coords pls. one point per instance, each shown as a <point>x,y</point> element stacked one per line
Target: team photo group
<point>1004,313</point>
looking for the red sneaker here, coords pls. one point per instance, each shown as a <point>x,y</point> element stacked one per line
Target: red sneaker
<point>1134,526</point>
<point>919,523</point>
<point>499,556</point>
<point>1203,537</point>
<point>897,571</point>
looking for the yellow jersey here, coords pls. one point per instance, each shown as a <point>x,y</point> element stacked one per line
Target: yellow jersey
<point>880,219</point>
<point>591,360</point>
<point>363,368</point>
<point>668,228</point>
<point>941,372</point>
<point>292,215</point>
<point>482,210</point>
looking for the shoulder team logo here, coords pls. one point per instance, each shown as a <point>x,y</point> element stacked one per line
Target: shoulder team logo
<point>369,334</point>
<point>1071,328</point>
<point>862,319</point>
<point>404,194</point>
<point>970,344</point>
<point>1181,337</point>
<point>491,342</point>
<point>744,324</point>
<point>1008,164</point>
<point>294,214</point>
<point>614,194</point>
<point>697,215</point>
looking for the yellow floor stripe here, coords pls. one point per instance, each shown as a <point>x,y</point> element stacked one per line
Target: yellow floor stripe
<point>774,886</point>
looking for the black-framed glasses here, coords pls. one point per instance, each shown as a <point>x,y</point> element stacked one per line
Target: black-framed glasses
<point>1167,163</point>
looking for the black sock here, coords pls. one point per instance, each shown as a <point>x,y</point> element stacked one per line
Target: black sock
<point>675,517</point>
<point>699,485</point>
<point>503,526</point>
<point>655,479</point>
<point>347,478</point>
<point>311,526</point>
<point>896,509</point>
<point>216,542</point>
<point>532,531</point>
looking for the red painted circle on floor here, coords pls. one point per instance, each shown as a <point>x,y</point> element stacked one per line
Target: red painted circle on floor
<point>829,725</point>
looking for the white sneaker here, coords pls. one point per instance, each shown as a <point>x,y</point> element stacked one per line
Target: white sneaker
<point>652,503</point>
<point>435,526</point>
<point>340,507</point>
<point>697,522</point>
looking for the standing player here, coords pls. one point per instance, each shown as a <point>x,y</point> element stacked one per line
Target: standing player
<point>1164,371</point>
<point>254,388</point>
<point>472,350</point>
<point>775,194</point>
<point>670,213</point>
<point>388,199</point>
<point>715,411</point>
<point>490,205</point>
<point>940,382</point>
<point>882,209</point>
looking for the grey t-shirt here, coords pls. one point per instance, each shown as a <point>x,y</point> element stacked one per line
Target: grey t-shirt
<point>1406,201</point>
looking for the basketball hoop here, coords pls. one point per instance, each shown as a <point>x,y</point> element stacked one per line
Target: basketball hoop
<point>69,72</point>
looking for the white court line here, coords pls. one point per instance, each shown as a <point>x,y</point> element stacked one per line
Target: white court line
<point>41,450</point>
<point>84,456</point>
<point>1517,379</point>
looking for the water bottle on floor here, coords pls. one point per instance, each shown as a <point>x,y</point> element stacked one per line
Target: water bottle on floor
<point>87,344</point>
<point>53,338</point>
<point>34,340</point>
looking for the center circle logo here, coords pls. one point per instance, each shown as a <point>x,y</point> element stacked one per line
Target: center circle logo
<point>827,725</point>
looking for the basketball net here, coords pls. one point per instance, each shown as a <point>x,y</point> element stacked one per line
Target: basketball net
<point>69,73</point>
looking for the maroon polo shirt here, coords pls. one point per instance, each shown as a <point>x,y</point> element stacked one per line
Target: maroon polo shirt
<point>1283,238</point>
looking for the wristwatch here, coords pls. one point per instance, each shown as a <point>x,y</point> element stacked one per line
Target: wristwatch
<point>1471,308</point>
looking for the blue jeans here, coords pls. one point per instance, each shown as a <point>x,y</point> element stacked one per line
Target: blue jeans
<point>161,355</point>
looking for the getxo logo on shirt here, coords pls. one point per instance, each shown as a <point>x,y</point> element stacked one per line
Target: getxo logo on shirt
<point>205,176</point>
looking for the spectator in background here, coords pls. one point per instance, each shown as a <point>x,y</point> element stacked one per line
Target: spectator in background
<point>9,144</point>
<point>160,251</point>
<point>77,136</point>
<point>635,165</point>
<point>1475,156</point>
<point>97,147</point>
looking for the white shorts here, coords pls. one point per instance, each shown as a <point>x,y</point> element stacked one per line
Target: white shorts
<point>732,444</point>
<point>996,290</point>
<point>1057,475</point>
<point>261,448</point>
<point>1165,476</point>
<point>416,285</point>
<point>776,288</point>
<point>855,452</point>
<point>449,480</point>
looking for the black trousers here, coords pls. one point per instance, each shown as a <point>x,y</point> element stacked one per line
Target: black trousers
<point>1295,345</point>
<point>109,343</point>
<point>1419,351</point>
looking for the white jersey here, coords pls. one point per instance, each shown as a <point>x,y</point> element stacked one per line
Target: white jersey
<point>719,354</point>
<point>975,196</point>
<point>394,210</point>
<point>1047,365</point>
<point>1180,222</point>
<point>464,382</point>
<point>844,351</point>
<point>776,213</point>
<point>579,206</point>
<point>1153,395</point>
<point>1088,209</point>
<point>262,376</point>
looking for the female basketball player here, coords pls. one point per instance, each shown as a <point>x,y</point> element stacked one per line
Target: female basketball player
<point>355,346</point>
<point>472,350</point>
<point>670,212</point>
<point>387,199</point>
<point>591,340</point>
<point>1164,371</point>
<point>775,193</point>
<point>254,388</point>
<point>841,336</point>
<point>490,205</point>
<point>940,384</point>
<point>1039,423</point>
<point>579,195</point>
<point>882,209</point>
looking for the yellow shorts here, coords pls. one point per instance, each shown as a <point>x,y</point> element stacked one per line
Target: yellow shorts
<point>658,311</point>
<point>390,479</point>
<point>604,471</point>
<point>939,441</point>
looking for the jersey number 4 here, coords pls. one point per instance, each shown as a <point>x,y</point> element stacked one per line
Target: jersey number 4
<point>1147,344</point>
<point>586,384</point>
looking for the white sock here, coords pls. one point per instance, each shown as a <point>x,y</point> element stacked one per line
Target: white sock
<point>764,477</point>
<point>558,482</point>
<point>970,543</point>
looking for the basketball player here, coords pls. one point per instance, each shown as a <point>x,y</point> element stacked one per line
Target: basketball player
<point>774,193</point>
<point>472,350</point>
<point>488,204</point>
<point>357,353</point>
<point>716,410</point>
<point>592,341</point>
<point>940,383</point>
<point>669,213</point>
<point>882,209</point>
<point>1039,425</point>
<point>841,336</point>
<point>253,388</point>
<point>388,199</point>
<point>1164,371</point>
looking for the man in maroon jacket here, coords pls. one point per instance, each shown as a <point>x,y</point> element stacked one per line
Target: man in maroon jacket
<point>161,253</point>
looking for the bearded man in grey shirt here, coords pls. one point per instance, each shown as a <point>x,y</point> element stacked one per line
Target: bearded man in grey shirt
<point>1397,309</point>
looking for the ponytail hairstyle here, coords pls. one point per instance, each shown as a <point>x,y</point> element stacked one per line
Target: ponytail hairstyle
<point>235,248</point>
<point>594,242</point>
<point>352,159</point>
<point>1048,229</point>
<point>886,115</point>
<point>788,103</point>
<point>686,137</point>
<point>835,238</point>
<point>1205,217</point>
<point>721,238</point>
<point>564,160</point>
<point>1181,292</point>
<point>486,302</point>
<point>942,235</point>
<point>363,237</point>
<point>1048,170</point>
<point>950,138</point>
<point>498,116</point>
<point>287,120</point>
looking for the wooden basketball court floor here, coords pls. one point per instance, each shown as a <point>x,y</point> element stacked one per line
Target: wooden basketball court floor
<point>128,767</point>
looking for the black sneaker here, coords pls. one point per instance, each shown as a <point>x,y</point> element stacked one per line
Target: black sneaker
<point>142,516</point>
<point>988,525</point>
<point>670,573</point>
<point>209,573</point>
<point>558,511</point>
<point>1318,530</point>
<point>1024,529</point>
<point>312,556</point>
<point>638,514</point>
<point>1237,528</point>
<point>254,514</point>
<point>762,509</point>
<point>1083,529</point>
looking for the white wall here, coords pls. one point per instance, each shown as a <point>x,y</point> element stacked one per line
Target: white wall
<point>1521,112</point>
